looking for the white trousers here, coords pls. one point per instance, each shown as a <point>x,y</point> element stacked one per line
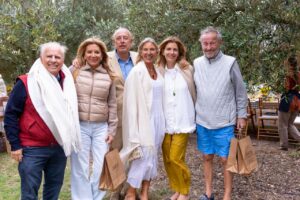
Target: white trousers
<point>86,165</point>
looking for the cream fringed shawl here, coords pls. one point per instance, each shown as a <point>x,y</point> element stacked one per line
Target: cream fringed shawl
<point>58,108</point>
<point>137,101</point>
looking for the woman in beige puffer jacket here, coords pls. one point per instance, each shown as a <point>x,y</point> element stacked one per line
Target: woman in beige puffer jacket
<point>98,118</point>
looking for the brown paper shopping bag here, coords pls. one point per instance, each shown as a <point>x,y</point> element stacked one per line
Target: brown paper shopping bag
<point>232,163</point>
<point>247,161</point>
<point>113,172</point>
<point>242,157</point>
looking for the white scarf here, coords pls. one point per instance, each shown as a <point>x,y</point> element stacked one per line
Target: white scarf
<point>137,101</point>
<point>58,108</point>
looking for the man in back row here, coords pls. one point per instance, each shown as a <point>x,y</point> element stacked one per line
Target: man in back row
<point>221,103</point>
<point>121,62</point>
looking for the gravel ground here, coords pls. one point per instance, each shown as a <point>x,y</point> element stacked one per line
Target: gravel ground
<point>277,177</point>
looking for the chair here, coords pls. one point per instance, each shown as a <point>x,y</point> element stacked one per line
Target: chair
<point>267,119</point>
<point>251,114</point>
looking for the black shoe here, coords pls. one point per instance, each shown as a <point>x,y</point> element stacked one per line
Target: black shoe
<point>205,197</point>
<point>284,148</point>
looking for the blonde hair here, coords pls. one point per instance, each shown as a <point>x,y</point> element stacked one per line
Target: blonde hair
<point>82,48</point>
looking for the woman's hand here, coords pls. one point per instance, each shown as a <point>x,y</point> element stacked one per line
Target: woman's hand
<point>75,63</point>
<point>17,155</point>
<point>109,139</point>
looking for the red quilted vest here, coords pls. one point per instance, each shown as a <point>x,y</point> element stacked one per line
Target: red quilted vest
<point>33,130</point>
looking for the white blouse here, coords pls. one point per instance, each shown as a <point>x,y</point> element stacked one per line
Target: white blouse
<point>178,103</point>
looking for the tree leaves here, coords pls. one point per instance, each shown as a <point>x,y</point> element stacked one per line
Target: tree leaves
<point>259,33</point>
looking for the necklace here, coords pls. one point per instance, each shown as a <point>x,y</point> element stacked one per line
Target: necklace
<point>152,72</point>
<point>173,77</point>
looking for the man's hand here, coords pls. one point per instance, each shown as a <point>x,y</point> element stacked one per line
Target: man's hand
<point>241,123</point>
<point>17,155</point>
<point>109,139</point>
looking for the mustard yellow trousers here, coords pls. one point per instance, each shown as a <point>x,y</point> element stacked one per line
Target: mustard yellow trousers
<point>174,149</point>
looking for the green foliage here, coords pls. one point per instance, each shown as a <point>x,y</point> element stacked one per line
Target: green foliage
<point>81,20</point>
<point>159,19</point>
<point>259,33</point>
<point>27,24</point>
<point>23,27</point>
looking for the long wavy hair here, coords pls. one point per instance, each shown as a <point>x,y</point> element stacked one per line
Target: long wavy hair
<point>181,59</point>
<point>104,62</point>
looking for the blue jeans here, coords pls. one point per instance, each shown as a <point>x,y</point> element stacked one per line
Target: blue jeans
<point>36,160</point>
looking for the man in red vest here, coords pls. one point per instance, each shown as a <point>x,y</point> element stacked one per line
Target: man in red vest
<point>41,123</point>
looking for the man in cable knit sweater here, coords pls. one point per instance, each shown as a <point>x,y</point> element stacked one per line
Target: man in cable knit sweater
<point>221,104</point>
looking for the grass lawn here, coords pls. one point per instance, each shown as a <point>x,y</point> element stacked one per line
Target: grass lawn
<point>10,180</point>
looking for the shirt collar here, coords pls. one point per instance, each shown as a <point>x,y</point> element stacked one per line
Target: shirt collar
<point>217,57</point>
<point>119,59</point>
<point>176,67</point>
<point>58,77</point>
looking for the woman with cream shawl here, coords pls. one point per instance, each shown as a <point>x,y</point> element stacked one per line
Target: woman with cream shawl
<point>143,120</point>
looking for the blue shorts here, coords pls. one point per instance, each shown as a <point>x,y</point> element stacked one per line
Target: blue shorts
<point>214,141</point>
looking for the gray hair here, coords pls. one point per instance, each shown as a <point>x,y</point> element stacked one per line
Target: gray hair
<point>141,45</point>
<point>210,29</point>
<point>113,37</point>
<point>53,45</point>
<point>144,41</point>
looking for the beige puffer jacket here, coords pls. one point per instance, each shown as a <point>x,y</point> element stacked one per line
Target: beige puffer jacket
<point>96,97</point>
